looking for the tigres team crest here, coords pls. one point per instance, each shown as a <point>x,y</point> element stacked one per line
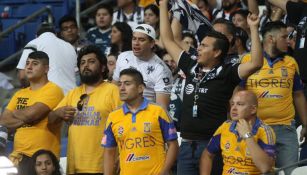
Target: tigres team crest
<point>147,127</point>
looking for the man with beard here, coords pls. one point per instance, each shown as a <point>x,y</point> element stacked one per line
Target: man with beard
<point>279,89</point>
<point>85,109</point>
<point>228,7</point>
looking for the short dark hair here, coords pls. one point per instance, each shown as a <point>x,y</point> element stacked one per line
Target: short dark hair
<point>39,55</point>
<point>67,18</point>
<point>241,12</point>
<point>45,27</point>
<point>272,26</point>
<point>105,6</point>
<point>100,56</point>
<point>243,36</point>
<point>53,158</point>
<point>221,43</point>
<point>231,28</point>
<point>155,9</point>
<point>190,34</point>
<point>137,76</point>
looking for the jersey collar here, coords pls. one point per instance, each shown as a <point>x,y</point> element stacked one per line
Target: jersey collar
<point>255,127</point>
<point>271,61</point>
<point>143,106</point>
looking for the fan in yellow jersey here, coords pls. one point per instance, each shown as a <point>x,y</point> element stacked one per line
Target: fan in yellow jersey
<point>246,143</point>
<point>86,108</point>
<point>27,113</point>
<point>279,89</point>
<point>140,129</point>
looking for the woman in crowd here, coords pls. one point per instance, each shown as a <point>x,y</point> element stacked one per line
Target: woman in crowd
<point>45,163</point>
<point>121,37</point>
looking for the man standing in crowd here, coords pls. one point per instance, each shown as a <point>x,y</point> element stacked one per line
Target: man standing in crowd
<point>100,35</point>
<point>246,143</point>
<point>27,114</point>
<point>278,83</point>
<point>140,129</point>
<point>209,86</point>
<point>85,109</point>
<point>69,32</point>
<point>62,57</point>
<point>157,76</point>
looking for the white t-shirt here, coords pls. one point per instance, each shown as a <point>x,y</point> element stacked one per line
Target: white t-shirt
<point>157,76</point>
<point>62,59</point>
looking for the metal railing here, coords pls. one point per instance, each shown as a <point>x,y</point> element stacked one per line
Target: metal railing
<point>10,29</point>
<point>27,19</point>
<point>296,164</point>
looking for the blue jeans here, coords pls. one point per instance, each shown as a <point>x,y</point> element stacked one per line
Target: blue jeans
<point>286,146</point>
<point>189,156</point>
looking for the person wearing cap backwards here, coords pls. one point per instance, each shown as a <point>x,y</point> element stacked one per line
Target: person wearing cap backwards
<point>157,76</point>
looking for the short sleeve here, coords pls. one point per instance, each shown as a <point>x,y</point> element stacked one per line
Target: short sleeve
<point>267,141</point>
<point>108,139</point>
<point>164,81</point>
<point>214,143</point>
<point>167,126</point>
<point>65,101</point>
<point>13,102</point>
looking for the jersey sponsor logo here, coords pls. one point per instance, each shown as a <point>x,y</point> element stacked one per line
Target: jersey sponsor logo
<point>233,171</point>
<point>166,81</point>
<point>137,142</point>
<point>243,161</point>
<point>133,158</point>
<point>189,89</point>
<point>266,94</point>
<point>270,82</point>
<point>147,127</point>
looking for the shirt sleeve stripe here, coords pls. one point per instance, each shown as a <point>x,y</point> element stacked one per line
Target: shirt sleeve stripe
<point>214,144</point>
<point>108,139</point>
<point>168,129</point>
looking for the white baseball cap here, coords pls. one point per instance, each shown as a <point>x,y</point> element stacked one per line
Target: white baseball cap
<point>146,29</point>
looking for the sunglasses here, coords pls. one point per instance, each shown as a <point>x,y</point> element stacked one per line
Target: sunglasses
<point>81,102</point>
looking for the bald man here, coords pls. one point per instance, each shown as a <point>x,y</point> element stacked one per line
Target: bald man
<point>246,143</point>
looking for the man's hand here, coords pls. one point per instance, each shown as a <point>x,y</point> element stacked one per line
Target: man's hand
<point>66,113</point>
<point>253,20</point>
<point>243,127</point>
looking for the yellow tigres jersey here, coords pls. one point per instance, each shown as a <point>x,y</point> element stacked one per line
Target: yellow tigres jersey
<point>141,137</point>
<point>274,84</point>
<point>236,156</point>
<point>84,153</point>
<point>31,138</point>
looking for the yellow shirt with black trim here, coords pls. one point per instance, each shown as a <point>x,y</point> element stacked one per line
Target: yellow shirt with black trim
<point>140,137</point>
<point>236,155</point>
<point>274,85</point>
<point>30,138</point>
<point>84,153</point>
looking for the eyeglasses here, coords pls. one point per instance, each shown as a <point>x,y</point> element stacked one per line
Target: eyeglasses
<point>81,102</point>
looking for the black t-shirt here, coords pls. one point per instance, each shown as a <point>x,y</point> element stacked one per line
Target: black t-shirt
<point>297,14</point>
<point>214,92</point>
